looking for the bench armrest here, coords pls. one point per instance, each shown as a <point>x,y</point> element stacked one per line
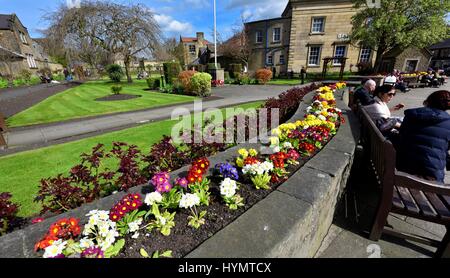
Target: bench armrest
<point>410,181</point>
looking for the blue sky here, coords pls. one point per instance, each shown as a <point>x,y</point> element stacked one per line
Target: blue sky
<point>176,17</point>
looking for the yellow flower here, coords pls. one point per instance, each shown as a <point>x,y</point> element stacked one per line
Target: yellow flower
<point>276,132</point>
<point>240,162</point>
<point>243,153</point>
<point>253,152</point>
<point>274,141</point>
<point>324,113</point>
<point>310,117</point>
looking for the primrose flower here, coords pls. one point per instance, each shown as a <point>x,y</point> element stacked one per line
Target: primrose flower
<point>93,253</point>
<point>189,200</point>
<point>182,182</point>
<point>228,188</point>
<point>243,152</point>
<point>227,171</point>
<point>287,145</point>
<point>154,197</point>
<point>55,249</point>
<point>274,141</point>
<point>253,152</point>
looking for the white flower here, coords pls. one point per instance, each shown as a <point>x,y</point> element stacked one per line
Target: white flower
<point>317,112</point>
<point>189,200</point>
<point>154,197</point>
<point>228,187</point>
<point>287,145</point>
<point>322,118</point>
<point>135,236</point>
<point>305,127</point>
<point>258,168</point>
<point>134,226</point>
<point>161,220</point>
<point>55,249</point>
<point>86,243</point>
<point>276,149</point>
<point>309,109</point>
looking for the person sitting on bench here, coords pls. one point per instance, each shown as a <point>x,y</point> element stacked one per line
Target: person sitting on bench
<point>424,139</point>
<point>364,93</point>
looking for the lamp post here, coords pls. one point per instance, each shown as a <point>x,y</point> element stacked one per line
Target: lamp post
<point>215,35</point>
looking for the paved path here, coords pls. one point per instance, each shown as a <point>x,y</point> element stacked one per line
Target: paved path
<point>13,101</point>
<point>348,236</point>
<point>43,134</point>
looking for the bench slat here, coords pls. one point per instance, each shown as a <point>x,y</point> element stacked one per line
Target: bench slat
<point>425,206</point>
<point>408,200</point>
<point>440,208</point>
<point>396,200</point>
<point>446,201</point>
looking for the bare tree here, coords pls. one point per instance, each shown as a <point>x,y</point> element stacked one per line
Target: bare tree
<point>171,49</point>
<point>103,28</point>
<point>237,47</point>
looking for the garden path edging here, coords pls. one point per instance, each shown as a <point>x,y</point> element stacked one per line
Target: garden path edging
<point>290,217</point>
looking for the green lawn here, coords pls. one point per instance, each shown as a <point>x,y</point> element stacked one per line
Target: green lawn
<point>20,173</point>
<point>80,102</point>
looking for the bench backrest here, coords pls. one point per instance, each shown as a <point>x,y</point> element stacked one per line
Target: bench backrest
<point>381,152</point>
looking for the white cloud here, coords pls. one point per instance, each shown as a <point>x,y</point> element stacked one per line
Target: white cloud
<point>258,9</point>
<point>172,26</point>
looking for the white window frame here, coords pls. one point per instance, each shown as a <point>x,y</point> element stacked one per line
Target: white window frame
<point>322,30</point>
<point>22,37</point>
<point>275,35</point>
<point>335,62</point>
<point>282,61</point>
<point>363,54</point>
<point>406,63</point>
<point>194,47</point>
<point>269,59</point>
<point>318,54</point>
<point>259,35</point>
<point>31,61</point>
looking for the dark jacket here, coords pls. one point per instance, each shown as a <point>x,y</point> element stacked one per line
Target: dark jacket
<point>424,143</point>
<point>363,96</point>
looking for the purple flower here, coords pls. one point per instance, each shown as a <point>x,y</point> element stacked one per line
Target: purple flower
<point>182,182</point>
<point>161,181</point>
<point>226,170</point>
<point>93,253</point>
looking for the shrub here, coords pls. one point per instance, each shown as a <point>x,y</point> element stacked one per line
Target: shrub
<point>212,66</point>
<point>235,69</point>
<point>201,84</point>
<point>115,72</point>
<point>171,70</point>
<point>264,75</point>
<point>3,83</point>
<point>116,89</point>
<point>8,212</point>
<point>168,89</point>
<point>226,75</point>
<point>185,79</point>
<point>19,82</point>
<point>154,83</point>
<point>364,68</point>
<point>25,75</point>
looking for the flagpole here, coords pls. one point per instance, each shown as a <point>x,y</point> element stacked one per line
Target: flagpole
<point>215,35</point>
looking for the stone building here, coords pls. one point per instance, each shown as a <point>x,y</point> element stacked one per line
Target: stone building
<point>441,55</point>
<point>18,51</point>
<point>307,32</point>
<point>193,46</point>
<point>409,60</point>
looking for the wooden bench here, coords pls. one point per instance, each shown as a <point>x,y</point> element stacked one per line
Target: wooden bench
<point>403,193</point>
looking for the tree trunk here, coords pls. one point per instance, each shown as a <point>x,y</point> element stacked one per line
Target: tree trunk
<point>127,69</point>
<point>378,60</point>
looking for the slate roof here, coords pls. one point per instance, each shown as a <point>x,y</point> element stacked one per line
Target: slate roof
<point>5,22</point>
<point>440,45</point>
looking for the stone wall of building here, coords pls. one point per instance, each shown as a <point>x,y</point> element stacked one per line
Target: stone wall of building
<point>338,15</point>
<point>413,53</point>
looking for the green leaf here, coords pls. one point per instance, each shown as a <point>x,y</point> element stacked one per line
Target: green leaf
<point>144,253</point>
<point>114,250</point>
<point>167,254</point>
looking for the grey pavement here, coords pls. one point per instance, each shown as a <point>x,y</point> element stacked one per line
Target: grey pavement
<point>43,134</point>
<point>15,100</point>
<point>348,236</point>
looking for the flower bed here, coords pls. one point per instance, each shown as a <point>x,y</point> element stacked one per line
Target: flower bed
<point>180,214</point>
<point>89,181</point>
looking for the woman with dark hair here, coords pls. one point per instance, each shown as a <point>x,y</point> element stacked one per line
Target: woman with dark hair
<point>424,139</point>
<point>381,113</point>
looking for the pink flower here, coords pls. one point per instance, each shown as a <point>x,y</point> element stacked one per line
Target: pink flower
<point>37,220</point>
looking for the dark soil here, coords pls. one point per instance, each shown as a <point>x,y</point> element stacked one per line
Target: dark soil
<point>118,97</point>
<point>183,238</point>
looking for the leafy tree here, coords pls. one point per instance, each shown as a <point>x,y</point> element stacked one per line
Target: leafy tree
<point>399,23</point>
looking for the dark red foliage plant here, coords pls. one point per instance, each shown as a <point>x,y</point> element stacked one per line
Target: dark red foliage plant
<point>8,212</point>
<point>129,173</point>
